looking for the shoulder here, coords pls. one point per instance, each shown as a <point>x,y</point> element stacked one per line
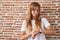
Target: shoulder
<point>24,21</point>
<point>45,22</point>
<point>43,19</point>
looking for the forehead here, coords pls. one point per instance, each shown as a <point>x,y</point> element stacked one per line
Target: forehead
<point>36,8</point>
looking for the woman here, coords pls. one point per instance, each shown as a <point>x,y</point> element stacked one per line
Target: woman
<point>35,27</point>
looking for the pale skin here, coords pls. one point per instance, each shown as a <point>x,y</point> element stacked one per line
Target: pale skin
<point>35,31</point>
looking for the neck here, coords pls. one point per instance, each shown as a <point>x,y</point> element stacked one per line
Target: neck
<point>33,18</point>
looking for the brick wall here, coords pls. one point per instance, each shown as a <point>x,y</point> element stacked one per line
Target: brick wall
<point>12,13</point>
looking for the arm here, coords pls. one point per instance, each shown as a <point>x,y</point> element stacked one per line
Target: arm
<point>49,31</point>
<point>25,35</point>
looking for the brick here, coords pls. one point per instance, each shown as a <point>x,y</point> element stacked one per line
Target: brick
<point>13,12</point>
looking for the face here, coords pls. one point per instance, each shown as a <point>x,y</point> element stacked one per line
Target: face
<point>35,11</point>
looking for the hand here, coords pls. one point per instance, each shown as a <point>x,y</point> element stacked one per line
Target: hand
<point>35,32</point>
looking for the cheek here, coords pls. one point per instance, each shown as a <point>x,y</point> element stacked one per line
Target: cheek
<point>32,13</point>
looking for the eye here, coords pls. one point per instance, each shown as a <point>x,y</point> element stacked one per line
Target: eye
<point>33,10</point>
<point>37,10</point>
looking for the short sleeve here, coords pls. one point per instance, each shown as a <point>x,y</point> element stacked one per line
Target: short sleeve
<point>45,22</point>
<point>23,27</point>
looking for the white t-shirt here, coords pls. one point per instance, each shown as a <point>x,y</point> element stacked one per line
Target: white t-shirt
<point>44,25</point>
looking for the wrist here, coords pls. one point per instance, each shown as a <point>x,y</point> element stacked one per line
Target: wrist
<point>40,30</point>
<point>31,33</point>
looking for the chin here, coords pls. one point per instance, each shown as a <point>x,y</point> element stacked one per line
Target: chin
<point>34,16</point>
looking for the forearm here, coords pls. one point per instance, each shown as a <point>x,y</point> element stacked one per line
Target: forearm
<point>48,32</point>
<point>25,36</point>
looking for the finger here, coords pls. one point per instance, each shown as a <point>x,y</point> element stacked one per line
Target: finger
<point>33,37</point>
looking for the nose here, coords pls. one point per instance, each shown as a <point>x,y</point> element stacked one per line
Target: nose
<point>36,11</point>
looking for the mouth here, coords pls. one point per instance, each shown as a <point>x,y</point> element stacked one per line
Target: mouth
<point>34,15</point>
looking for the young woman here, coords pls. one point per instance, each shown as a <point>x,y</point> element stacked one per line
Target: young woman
<point>35,27</point>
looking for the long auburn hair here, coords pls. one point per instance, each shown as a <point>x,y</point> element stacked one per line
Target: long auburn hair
<point>29,17</point>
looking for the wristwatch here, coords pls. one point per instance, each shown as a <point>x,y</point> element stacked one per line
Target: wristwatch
<point>40,31</point>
